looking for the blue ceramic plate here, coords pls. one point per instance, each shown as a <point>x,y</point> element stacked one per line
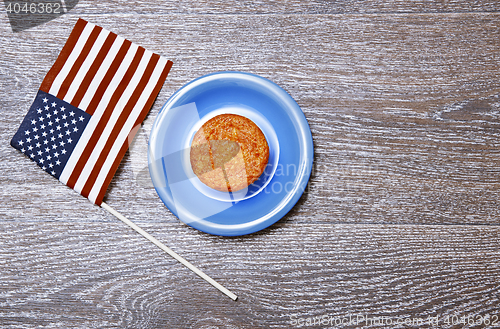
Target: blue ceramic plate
<point>272,195</point>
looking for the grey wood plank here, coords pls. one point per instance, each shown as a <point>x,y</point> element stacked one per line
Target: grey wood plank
<point>286,7</point>
<point>319,7</point>
<point>403,101</point>
<point>403,110</point>
<point>104,275</point>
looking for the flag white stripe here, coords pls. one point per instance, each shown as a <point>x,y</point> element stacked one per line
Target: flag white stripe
<point>89,60</point>
<point>103,138</point>
<point>103,69</point>
<point>59,79</point>
<point>127,127</point>
<point>96,117</point>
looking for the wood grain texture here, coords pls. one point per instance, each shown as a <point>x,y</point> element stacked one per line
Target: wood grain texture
<point>403,108</point>
<point>401,215</point>
<point>287,7</point>
<point>101,276</point>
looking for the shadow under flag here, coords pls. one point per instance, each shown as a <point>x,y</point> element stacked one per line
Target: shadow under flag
<point>24,15</point>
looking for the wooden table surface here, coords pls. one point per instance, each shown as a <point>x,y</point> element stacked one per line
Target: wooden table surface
<point>400,221</point>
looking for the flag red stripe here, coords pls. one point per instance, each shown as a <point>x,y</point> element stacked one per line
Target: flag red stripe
<point>96,99</point>
<point>63,55</point>
<point>112,172</point>
<point>120,123</point>
<point>79,61</point>
<point>155,92</point>
<point>125,145</point>
<point>93,69</point>
<point>104,119</point>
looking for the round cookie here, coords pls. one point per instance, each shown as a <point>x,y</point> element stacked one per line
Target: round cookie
<point>229,152</point>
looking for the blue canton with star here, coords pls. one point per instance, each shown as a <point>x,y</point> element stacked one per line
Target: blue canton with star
<point>49,132</point>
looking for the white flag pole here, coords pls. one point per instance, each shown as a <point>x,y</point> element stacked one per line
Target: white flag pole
<point>169,251</point>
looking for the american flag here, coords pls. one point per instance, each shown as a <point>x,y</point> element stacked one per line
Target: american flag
<point>99,89</point>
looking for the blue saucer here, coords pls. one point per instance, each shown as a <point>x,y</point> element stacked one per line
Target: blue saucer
<point>263,203</point>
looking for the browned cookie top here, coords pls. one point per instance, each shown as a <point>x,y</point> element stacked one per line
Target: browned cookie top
<point>229,152</point>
